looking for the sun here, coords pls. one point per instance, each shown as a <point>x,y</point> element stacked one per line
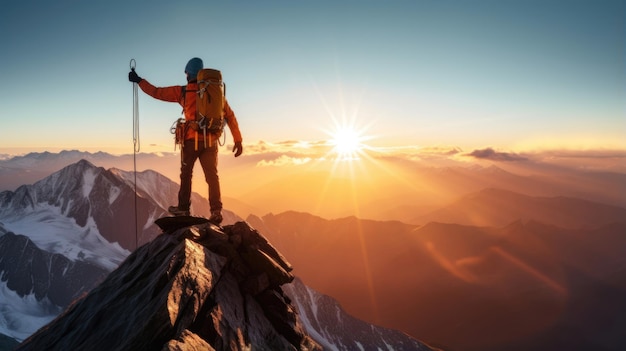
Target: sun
<point>347,142</point>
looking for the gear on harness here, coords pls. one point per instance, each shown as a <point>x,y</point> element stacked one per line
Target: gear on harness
<point>179,130</point>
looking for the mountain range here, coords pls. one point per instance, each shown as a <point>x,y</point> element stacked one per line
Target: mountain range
<point>379,187</point>
<point>61,236</point>
<point>518,257</point>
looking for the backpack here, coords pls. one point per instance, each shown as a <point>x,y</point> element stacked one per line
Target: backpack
<point>210,99</point>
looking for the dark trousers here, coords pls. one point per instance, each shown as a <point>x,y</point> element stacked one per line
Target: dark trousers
<point>208,161</point>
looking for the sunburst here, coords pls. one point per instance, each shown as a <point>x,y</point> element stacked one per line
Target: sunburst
<point>347,141</point>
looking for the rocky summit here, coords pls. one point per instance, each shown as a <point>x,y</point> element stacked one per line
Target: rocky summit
<point>197,287</point>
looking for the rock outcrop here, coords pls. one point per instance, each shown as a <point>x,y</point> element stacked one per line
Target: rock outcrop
<point>193,288</point>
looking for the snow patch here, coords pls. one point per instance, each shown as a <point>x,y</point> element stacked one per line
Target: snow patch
<point>153,217</point>
<point>301,307</point>
<point>51,231</point>
<point>22,316</point>
<point>114,192</point>
<point>89,178</point>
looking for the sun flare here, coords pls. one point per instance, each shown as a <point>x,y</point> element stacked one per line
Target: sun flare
<point>346,141</point>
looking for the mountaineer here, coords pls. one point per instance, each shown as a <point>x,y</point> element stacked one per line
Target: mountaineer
<point>206,111</point>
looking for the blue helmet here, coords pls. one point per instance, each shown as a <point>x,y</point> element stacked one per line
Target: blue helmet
<point>193,67</point>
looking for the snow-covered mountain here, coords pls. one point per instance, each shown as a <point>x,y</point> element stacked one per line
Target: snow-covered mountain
<point>64,233</point>
<point>97,203</point>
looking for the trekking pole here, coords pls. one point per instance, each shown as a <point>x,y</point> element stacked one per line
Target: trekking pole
<point>136,145</point>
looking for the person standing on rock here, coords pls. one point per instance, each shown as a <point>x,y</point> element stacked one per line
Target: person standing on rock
<point>195,145</point>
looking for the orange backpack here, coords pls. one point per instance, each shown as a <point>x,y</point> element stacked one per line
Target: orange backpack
<point>210,100</point>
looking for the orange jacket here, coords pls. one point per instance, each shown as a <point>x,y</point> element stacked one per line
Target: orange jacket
<point>175,94</point>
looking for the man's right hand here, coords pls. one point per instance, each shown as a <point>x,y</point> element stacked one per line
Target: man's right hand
<point>238,149</point>
<point>133,77</point>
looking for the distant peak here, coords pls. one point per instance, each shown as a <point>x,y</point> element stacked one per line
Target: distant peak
<point>84,163</point>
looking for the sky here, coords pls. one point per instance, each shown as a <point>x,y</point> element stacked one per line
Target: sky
<point>509,75</point>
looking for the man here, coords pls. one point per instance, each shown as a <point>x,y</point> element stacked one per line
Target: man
<point>195,146</point>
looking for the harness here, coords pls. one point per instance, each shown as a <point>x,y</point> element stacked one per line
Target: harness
<point>181,126</point>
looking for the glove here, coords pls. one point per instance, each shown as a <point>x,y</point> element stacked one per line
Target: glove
<point>238,149</point>
<point>133,77</point>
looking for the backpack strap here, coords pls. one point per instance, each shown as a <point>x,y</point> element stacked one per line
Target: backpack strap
<point>183,92</point>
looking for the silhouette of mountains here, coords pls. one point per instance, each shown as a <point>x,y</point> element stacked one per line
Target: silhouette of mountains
<point>519,287</point>
<point>407,190</point>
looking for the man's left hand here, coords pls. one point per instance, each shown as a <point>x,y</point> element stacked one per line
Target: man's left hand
<point>133,77</point>
<point>238,149</point>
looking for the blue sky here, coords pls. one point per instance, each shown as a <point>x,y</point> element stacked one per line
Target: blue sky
<point>510,74</point>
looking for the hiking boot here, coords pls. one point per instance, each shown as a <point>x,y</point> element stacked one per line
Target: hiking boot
<point>177,211</point>
<point>216,217</point>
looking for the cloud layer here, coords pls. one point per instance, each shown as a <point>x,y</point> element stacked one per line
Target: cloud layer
<point>301,153</point>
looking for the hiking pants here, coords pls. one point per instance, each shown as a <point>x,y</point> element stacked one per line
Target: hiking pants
<point>208,161</point>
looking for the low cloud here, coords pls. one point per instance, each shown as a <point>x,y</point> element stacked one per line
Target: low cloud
<point>493,155</point>
<point>299,152</point>
<point>309,148</point>
<point>441,150</point>
<point>284,160</point>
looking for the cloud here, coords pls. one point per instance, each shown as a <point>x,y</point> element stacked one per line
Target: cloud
<point>440,150</point>
<point>298,152</point>
<point>309,148</point>
<point>491,154</point>
<point>284,160</point>
<point>294,153</point>
<point>419,150</point>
